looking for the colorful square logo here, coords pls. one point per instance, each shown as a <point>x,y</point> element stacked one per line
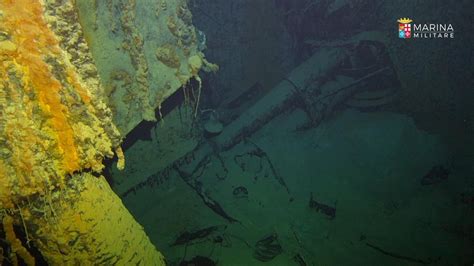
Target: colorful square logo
<point>404,28</point>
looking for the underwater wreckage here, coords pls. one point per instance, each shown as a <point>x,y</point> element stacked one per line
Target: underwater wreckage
<point>318,86</point>
<point>63,112</point>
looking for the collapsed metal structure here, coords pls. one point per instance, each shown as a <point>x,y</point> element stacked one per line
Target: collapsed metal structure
<point>337,74</point>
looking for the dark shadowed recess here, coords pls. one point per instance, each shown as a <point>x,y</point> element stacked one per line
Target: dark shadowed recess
<point>143,130</point>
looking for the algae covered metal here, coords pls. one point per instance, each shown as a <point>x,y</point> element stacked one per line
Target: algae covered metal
<point>64,108</point>
<point>144,51</point>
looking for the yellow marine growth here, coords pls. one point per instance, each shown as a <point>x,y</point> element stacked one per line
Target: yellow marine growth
<point>144,53</point>
<point>49,125</point>
<point>54,133</point>
<point>94,228</point>
<point>15,243</point>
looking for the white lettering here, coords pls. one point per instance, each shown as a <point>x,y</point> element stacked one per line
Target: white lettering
<point>432,31</point>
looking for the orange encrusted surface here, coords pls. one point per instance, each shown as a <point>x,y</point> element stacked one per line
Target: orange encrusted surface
<point>48,122</point>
